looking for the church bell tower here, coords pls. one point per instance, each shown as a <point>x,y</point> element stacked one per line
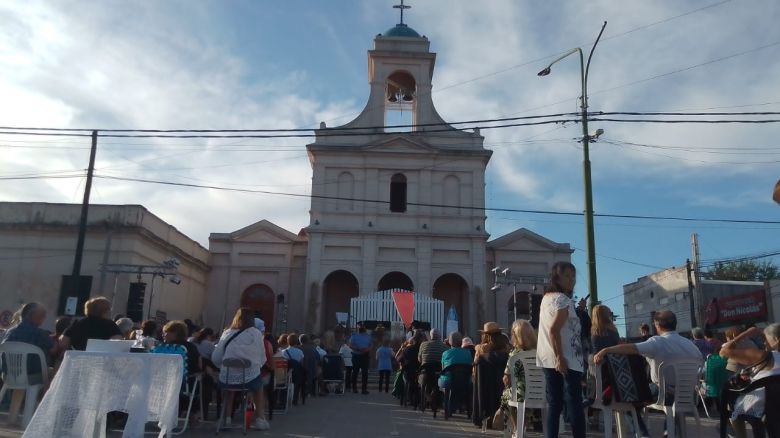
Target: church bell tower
<point>396,206</point>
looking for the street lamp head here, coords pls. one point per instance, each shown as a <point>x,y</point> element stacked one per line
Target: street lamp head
<point>505,272</point>
<point>544,72</point>
<point>496,270</point>
<point>495,288</point>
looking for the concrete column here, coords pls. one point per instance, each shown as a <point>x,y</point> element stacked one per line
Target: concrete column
<point>425,196</point>
<point>313,274</point>
<point>373,191</point>
<point>368,280</point>
<point>478,284</point>
<point>423,284</point>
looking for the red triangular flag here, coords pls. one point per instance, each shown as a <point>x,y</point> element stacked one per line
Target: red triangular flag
<point>404,304</point>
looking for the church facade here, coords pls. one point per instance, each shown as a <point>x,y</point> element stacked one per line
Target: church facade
<point>391,208</point>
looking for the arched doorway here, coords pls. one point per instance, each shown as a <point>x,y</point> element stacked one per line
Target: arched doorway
<point>521,304</point>
<point>453,290</point>
<point>395,280</point>
<point>262,300</point>
<point>338,289</point>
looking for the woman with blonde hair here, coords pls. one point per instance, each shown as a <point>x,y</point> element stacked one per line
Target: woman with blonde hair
<point>523,339</point>
<point>97,324</point>
<point>603,332</point>
<point>242,340</point>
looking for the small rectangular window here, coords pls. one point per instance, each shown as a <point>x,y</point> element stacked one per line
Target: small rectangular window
<point>398,193</point>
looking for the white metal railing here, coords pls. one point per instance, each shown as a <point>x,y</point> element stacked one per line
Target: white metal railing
<point>379,306</point>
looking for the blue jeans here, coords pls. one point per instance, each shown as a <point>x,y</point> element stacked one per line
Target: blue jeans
<point>562,390</point>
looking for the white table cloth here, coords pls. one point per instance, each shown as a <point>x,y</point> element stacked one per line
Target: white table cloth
<point>88,385</point>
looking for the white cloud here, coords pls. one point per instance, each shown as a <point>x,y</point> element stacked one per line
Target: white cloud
<point>118,64</point>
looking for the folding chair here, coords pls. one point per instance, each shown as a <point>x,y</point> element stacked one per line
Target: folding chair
<point>193,388</point>
<point>242,390</point>
<point>282,389</point>
<point>459,392</point>
<point>333,372</point>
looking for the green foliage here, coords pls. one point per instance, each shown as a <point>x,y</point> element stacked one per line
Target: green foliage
<point>744,270</point>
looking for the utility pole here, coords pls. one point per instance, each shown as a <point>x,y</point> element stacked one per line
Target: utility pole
<point>75,280</point>
<point>689,270</point>
<point>697,292</point>
<point>590,239</point>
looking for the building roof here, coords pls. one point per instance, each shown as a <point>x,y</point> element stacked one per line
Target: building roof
<point>524,233</point>
<point>401,30</point>
<point>26,215</point>
<point>260,228</point>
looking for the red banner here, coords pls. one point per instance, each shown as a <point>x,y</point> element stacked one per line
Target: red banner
<point>404,304</point>
<point>751,305</point>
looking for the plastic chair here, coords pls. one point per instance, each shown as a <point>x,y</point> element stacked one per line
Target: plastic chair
<point>686,377</point>
<point>15,355</point>
<point>242,390</point>
<point>535,396</point>
<point>612,410</point>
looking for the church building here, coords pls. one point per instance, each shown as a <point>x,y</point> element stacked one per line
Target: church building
<point>392,207</point>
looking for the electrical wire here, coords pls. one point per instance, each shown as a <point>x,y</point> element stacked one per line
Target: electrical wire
<point>418,204</point>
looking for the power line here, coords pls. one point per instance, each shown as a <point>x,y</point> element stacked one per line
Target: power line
<point>752,121</point>
<point>334,133</point>
<point>690,67</point>
<point>372,130</point>
<point>417,204</point>
<point>339,129</point>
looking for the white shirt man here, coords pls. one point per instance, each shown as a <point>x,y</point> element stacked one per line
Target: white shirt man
<point>667,346</point>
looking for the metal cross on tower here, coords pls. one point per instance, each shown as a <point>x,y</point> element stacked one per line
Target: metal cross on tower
<point>402,6</point>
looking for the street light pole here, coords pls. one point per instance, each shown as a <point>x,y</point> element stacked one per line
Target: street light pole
<point>586,137</point>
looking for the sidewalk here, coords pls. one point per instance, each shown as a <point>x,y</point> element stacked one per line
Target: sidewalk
<point>378,415</point>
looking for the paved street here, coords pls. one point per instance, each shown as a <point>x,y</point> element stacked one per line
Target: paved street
<point>377,416</point>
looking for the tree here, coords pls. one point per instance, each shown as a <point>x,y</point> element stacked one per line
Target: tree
<point>743,270</point>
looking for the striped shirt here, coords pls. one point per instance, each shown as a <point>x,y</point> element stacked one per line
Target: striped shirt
<point>431,351</point>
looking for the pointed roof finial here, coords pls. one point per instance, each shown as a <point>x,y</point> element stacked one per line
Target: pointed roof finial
<point>402,6</point>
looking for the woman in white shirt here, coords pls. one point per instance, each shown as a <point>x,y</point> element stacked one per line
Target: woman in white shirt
<point>559,351</point>
<point>241,341</point>
<point>346,354</point>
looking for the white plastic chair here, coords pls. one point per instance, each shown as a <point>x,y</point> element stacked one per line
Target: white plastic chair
<point>14,356</point>
<point>535,396</point>
<point>686,379</point>
<point>612,410</point>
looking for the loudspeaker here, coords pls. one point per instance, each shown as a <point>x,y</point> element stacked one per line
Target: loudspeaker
<point>135,301</point>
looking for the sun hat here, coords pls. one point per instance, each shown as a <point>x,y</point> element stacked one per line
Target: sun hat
<point>467,342</point>
<point>491,327</point>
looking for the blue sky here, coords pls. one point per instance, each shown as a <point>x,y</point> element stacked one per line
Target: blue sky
<point>242,64</point>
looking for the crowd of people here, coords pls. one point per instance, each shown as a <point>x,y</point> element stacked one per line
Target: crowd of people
<point>421,366</point>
